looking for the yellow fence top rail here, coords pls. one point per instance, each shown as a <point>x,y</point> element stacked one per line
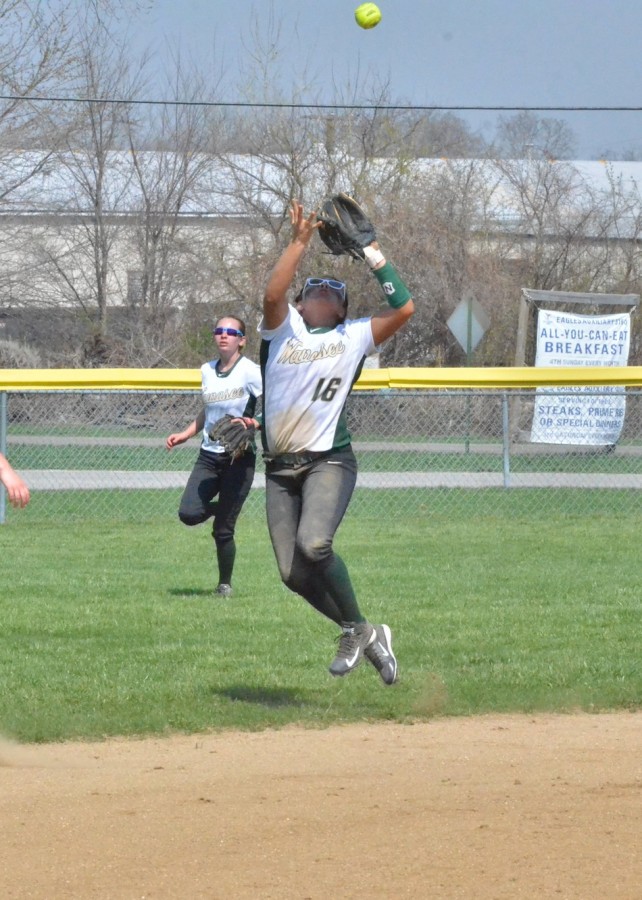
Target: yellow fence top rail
<point>497,378</point>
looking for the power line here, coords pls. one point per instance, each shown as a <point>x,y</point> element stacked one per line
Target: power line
<point>347,106</point>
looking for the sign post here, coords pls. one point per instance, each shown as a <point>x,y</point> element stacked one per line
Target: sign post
<point>469,323</point>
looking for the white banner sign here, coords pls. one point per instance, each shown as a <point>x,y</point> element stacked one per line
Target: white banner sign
<point>580,415</point>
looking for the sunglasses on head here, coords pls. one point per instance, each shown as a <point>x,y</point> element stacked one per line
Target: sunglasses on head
<point>338,286</point>
<point>232,332</point>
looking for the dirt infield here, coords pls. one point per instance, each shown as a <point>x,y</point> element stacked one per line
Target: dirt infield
<point>491,807</point>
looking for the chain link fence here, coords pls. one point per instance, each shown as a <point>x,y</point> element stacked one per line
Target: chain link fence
<point>101,454</point>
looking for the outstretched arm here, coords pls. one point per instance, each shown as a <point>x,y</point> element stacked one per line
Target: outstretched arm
<point>275,303</point>
<point>179,437</point>
<point>402,307</point>
<point>16,488</point>
<point>385,324</point>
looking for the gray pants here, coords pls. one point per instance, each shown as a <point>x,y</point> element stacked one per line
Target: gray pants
<point>305,506</point>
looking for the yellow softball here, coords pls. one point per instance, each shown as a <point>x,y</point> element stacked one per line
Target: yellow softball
<point>367,15</point>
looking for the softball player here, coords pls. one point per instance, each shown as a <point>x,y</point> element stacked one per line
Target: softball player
<point>231,385</point>
<point>311,355</point>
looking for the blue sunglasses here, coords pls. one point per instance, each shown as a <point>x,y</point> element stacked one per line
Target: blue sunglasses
<point>338,286</point>
<point>232,332</point>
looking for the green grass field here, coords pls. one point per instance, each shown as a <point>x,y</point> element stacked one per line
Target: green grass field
<point>110,627</point>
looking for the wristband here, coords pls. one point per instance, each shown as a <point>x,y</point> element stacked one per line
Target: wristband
<point>373,257</point>
<point>397,294</point>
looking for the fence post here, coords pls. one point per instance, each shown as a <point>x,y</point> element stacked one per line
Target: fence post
<point>506,438</point>
<point>3,450</point>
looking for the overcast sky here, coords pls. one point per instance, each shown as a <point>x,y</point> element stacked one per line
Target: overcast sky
<point>458,53</point>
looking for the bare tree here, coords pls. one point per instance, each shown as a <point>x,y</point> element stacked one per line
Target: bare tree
<point>42,52</point>
<point>172,180</point>
<point>41,48</point>
<point>36,56</point>
<point>527,136</point>
<point>555,215</point>
<point>437,134</point>
<point>96,176</point>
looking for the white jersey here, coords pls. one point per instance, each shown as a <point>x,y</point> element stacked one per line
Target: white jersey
<point>308,374</point>
<point>232,393</point>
